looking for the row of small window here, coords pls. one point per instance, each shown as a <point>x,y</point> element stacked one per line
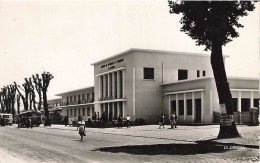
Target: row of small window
<point>182,74</point>
<point>79,112</point>
<point>69,99</point>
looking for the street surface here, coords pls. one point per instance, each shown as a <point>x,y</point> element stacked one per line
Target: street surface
<point>136,144</point>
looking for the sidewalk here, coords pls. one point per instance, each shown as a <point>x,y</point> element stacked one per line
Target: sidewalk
<point>185,134</point>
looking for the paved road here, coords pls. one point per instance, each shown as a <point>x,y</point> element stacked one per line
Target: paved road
<point>137,144</point>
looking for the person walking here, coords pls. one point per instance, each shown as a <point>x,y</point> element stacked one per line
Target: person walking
<point>119,121</point>
<point>175,119</point>
<point>128,121</point>
<point>81,130</point>
<point>161,122</point>
<point>172,119</point>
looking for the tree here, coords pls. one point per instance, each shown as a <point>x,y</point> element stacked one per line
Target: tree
<point>42,85</point>
<point>26,90</point>
<point>213,24</point>
<point>12,99</point>
<point>38,86</point>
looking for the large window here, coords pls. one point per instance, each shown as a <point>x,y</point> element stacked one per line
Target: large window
<point>256,103</point>
<point>189,107</point>
<point>245,104</point>
<point>173,106</point>
<point>181,107</point>
<point>148,73</point>
<point>182,74</point>
<point>234,102</point>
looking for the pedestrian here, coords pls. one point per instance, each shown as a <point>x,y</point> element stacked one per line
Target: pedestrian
<point>29,123</point>
<point>119,121</point>
<point>66,120</point>
<point>89,120</point>
<point>161,122</point>
<point>128,121</point>
<point>172,120</point>
<point>81,130</point>
<point>175,119</point>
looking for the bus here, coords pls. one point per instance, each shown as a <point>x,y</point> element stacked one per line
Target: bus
<point>6,119</point>
<point>34,116</point>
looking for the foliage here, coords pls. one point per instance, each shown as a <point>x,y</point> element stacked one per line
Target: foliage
<point>202,20</point>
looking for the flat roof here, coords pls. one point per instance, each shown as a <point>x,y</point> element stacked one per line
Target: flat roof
<point>153,51</point>
<point>211,77</point>
<point>73,91</point>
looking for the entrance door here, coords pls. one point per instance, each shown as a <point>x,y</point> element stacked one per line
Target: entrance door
<point>198,110</point>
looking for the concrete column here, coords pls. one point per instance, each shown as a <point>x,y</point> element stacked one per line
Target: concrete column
<point>113,111</point>
<point>90,112</point>
<point>108,108</point>
<point>108,85</point>
<point>169,106</point>
<point>177,105</point>
<point>100,87</point>
<point>113,85</point>
<point>118,84</point>
<point>193,107</point>
<point>118,109</point>
<point>123,83</point>
<point>134,93</point>
<point>202,105</point>
<point>123,109</point>
<point>252,99</point>
<point>185,106</point>
<point>104,86</point>
<point>239,101</point>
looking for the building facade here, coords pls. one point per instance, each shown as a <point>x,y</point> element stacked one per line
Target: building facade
<point>78,103</point>
<point>146,83</point>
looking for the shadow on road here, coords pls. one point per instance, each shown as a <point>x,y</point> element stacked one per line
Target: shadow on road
<point>175,149</point>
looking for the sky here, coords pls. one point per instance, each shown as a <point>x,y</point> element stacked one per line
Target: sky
<point>65,37</point>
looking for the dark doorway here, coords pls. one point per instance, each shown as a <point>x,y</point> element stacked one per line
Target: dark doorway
<point>173,106</point>
<point>197,110</point>
<point>245,104</point>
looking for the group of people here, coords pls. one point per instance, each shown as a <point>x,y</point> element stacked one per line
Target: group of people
<point>120,121</point>
<point>173,120</point>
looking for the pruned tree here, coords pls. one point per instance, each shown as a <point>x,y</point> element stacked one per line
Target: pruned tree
<point>12,99</point>
<point>32,95</point>
<point>214,24</point>
<point>42,85</point>
<point>38,86</point>
<point>18,103</point>
<point>26,93</point>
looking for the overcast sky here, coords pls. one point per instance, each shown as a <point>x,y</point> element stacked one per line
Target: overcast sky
<point>64,38</point>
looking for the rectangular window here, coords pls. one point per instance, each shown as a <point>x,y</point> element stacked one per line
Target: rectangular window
<point>198,73</point>
<point>75,97</point>
<point>245,104</point>
<point>181,107</point>
<point>79,112</point>
<point>83,96</point>
<point>234,102</point>
<point>173,106</point>
<point>204,73</point>
<point>148,73</point>
<point>182,74</point>
<point>78,97</point>
<point>84,112</point>
<point>70,98</point>
<point>71,112</point>
<point>67,99</point>
<point>189,107</point>
<point>256,103</point>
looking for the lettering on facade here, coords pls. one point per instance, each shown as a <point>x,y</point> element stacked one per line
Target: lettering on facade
<point>111,65</point>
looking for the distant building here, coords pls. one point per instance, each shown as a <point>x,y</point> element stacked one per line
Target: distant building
<point>145,83</point>
<point>78,102</point>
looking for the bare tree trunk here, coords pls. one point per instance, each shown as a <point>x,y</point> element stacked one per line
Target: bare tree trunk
<point>46,110</point>
<point>227,125</point>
